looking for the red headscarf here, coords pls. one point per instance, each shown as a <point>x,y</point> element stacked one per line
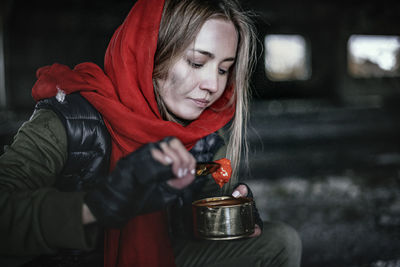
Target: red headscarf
<point>124,95</point>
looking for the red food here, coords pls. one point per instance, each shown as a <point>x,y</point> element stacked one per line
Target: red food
<point>223,174</point>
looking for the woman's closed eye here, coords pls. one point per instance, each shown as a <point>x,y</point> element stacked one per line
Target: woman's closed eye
<point>195,65</point>
<point>223,72</point>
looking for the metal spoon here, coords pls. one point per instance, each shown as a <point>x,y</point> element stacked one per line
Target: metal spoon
<point>205,168</point>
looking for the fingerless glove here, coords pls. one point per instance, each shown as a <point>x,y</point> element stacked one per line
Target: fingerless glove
<point>137,185</point>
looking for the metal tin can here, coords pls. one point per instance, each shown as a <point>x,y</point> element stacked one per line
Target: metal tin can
<point>223,218</point>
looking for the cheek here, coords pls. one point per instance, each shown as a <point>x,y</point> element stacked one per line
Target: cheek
<point>170,87</point>
<point>174,79</point>
<point>178,79</point>
<point>186,85</point>
<point>222,85</point>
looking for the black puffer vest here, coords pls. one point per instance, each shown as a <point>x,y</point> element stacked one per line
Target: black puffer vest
<point>89,143</point>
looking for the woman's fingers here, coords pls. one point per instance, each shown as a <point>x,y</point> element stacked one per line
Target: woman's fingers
<point>184,166</point>
<point>257,231</point>
<point>175,158</point>
<point>180,183</point>
<point>160,156</point>
<point>188,162</point>
<point>183,163</point>
<point>240,191</point>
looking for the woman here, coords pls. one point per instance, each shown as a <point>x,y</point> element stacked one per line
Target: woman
<point>177,69</point>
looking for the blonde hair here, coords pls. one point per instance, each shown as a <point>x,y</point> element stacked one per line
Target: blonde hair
<point>181,21</point>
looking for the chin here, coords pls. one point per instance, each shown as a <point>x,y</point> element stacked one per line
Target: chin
<point>191,116</point>
<point>187,113</point>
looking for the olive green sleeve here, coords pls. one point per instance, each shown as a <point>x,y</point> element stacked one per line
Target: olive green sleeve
<point>35,218</point>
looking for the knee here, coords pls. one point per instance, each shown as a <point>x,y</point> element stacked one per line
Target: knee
<point>287,236</point>
<point>286,242</point>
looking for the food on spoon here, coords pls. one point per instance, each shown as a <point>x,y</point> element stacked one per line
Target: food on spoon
<point>223,174</point>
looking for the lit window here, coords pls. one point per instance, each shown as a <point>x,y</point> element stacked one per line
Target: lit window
<point>286,58</point>
<point>374,56</point>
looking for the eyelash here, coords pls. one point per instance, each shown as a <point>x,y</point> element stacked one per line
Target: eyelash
<point>194,65</point>
<point>198,66</point>
<point>222,72</point>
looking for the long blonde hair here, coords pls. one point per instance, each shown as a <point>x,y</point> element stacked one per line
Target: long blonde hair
<point>181,21</point>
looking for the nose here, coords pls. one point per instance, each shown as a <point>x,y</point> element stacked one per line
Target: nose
<point>209,81</point>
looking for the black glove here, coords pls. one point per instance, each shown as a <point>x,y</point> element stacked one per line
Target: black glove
<point>256,215</point>
<point>137,185</point>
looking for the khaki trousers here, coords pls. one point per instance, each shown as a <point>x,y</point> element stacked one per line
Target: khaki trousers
<point>278,245</point>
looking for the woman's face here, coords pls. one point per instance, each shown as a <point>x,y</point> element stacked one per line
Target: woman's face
<point>200,76</point>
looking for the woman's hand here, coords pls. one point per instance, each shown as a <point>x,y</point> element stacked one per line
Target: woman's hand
<point>242,191</point>
<point>183,163</point>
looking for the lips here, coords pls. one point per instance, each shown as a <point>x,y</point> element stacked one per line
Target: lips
<point>200,102</point>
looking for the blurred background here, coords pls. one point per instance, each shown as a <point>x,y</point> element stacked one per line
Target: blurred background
<point>324,130</point>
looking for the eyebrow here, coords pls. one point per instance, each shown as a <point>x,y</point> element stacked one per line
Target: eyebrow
<point>211,55</point>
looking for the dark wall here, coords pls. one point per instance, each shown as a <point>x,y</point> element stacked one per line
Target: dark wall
<point>326,26</point>
<point>40,33</point>
<point>333,121</point>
